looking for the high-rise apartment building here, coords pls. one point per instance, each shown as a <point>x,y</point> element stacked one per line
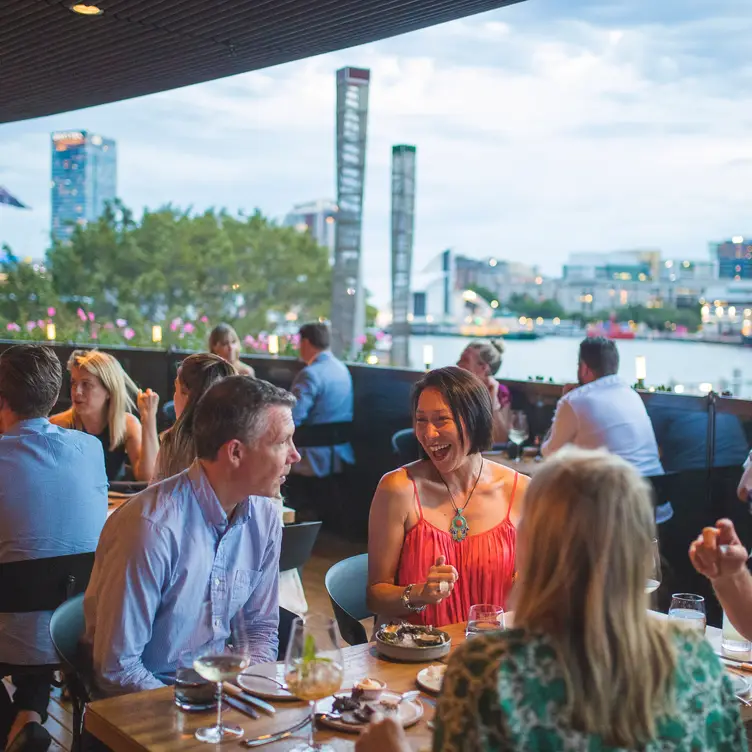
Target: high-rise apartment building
<point>84,179</point>
<point>734,258</point>
<point>318,217</point>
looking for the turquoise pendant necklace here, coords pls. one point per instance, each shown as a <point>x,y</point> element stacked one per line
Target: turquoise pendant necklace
<point>458,527</point>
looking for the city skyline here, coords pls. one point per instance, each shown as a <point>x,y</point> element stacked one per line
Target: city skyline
<point>543,129</point>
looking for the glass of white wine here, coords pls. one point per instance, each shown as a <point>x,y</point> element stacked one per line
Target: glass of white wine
<point>654,578</point>
<point>313,665</point>
<point>519,430</point>
<point>219,664</point>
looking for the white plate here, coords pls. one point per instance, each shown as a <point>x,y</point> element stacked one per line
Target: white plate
<point>428,681</point>
<point>266,690</point>
<point>740,683</point>
<point>409,713</point>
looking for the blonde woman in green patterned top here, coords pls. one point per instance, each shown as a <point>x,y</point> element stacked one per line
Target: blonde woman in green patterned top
<point>586,667</point>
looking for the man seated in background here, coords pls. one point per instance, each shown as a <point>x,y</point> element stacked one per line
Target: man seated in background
<point>181,560</point>
<point>53,502</point>
<point>324,394</point>
<point>603,411</point>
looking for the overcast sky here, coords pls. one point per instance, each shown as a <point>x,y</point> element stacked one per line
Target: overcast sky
<point>548,127</point>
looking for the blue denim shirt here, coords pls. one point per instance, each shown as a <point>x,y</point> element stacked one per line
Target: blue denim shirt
<point>324,393</point>
<point>53,502</point>
<point>171,573</point>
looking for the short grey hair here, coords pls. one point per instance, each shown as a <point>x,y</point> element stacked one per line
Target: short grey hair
<point>235,408</point>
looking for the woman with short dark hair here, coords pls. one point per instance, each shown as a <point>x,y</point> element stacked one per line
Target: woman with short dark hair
<point>442,531</point>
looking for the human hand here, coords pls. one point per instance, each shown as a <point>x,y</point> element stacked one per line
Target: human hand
<point>718,552</point>
<point>439,582</point>
<point>568,388</point>
<point>381,735</point>
<point>493,392</point>
<point>147,405</point>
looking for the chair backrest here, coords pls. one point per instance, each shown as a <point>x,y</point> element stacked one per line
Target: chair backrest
<point>323,434</point>
<point>43,584</point>
<point>346,584</point>
<point>405,445</point>
<point>67,627</point>
<point>297,544</point>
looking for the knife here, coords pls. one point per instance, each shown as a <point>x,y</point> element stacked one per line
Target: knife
<point>250,699</point>
<point>738,665</point>
<point>268,738</point>
<point>241,707</point>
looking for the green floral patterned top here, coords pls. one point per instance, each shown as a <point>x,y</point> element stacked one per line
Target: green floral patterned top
<point>507,692</point>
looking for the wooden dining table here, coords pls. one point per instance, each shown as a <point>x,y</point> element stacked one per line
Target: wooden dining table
<point>116,500</point>
<point>151,721</point>
<point>527,465</point>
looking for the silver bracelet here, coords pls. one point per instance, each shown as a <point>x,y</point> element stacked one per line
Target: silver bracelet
<point>406,600</point>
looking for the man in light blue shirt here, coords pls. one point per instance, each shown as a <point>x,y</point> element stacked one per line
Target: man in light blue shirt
<point>324,393</point>
<point>181,564</point>
<point>53,502</point>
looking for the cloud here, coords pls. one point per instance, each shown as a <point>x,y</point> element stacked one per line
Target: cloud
<point>543,128</point>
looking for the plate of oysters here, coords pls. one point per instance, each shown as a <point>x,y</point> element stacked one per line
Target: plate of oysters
<point>413,643</point>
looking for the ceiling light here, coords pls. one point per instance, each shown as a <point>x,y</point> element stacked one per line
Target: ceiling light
<point>84,9</point>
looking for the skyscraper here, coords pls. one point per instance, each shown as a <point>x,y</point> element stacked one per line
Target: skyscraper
<point>734,258</point>
<point>318,218</point>
<point>84,178</point>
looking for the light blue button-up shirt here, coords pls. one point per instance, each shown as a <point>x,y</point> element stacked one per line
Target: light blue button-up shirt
<point>53,502</point>
<point>171,573</point>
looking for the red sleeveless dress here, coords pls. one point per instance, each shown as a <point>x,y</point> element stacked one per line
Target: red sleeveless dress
<point>485,563</point>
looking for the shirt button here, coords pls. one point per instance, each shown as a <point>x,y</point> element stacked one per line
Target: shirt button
<point>216,581</point>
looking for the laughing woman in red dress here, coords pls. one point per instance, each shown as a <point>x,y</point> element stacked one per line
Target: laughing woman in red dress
<point>442,532</point>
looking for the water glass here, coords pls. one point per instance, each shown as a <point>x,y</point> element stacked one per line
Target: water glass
<point>519,431</point>
<point>731,640</point>
<point>688,610</point>
<point>654,578</point>
<point>192,692</point>
<point>482,619</point>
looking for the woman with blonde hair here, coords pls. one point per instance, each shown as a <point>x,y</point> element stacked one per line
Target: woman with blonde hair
<point>224,341</point>
<point>102,400</point>
<point>586,666</point>
<point>483,359</point>
<point>195,375</point>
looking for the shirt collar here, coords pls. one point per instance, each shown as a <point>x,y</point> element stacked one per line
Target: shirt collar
<point>30,424</point>
<point>207,499</point>
<point>604,381</point>
<point>323,355</point>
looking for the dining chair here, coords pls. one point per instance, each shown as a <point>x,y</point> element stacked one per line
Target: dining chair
<point>346,584</point>
<point>405,446</point>
<point>67,627</point>
<point>297,543</point>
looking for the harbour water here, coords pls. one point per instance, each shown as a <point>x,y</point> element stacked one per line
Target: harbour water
<point>688,364</point>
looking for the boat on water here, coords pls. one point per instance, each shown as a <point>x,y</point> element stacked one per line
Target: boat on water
<point>612,330</point>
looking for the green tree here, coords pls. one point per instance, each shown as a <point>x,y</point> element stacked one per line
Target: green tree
<point>174,263</point>
<point>525,305</point>
<point>26,290</point>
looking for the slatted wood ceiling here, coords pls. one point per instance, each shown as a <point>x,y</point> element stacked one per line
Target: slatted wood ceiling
<point>53,60</point>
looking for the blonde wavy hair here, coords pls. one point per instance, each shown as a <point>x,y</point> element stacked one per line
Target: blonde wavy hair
<point>121,388</point>
<point>586,549</point>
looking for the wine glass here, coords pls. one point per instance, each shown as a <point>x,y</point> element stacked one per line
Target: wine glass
<point>688,610</point>
<point>654,578</point>
<point>219,664</point>
<point>519,431</point>
<point>313,665</point>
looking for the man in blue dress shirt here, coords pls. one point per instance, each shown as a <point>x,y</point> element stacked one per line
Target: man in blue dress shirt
<point>182,563</point>
<point>53,502</point>
<point>324,393</point>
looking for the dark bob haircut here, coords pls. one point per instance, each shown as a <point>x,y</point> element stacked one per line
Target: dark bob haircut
<point>469,401</point>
